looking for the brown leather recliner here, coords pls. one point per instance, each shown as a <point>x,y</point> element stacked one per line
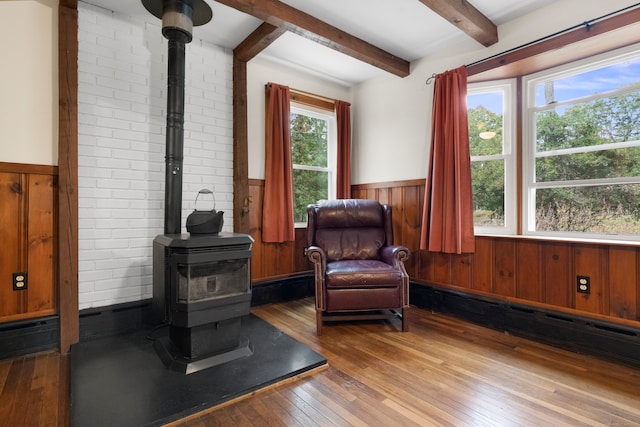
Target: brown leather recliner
<point>359,273</point>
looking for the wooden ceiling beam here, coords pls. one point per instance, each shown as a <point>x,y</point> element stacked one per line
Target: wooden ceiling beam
<point>257,41</point>
<point>467,18</point>
<point>286,17</point>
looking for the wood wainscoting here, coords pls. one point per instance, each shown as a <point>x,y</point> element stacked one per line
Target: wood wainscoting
<point>27,230</point>
<point>544,274</point>
<point>273,260</point>
<point>529,271</point>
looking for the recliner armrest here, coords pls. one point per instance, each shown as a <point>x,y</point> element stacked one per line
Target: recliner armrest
<point>394,254</point>
<point>319,259</point>
<point>317,255</point>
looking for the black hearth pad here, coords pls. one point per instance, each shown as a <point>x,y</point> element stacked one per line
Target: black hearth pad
<point>121,381</point>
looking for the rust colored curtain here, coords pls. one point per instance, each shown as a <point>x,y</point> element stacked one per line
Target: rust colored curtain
<point>277,208</point>
<point>447,219</point>
<point>343,178</point>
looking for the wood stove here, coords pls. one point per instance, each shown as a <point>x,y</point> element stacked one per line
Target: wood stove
<point>201,283</point>
<point>201,289</point>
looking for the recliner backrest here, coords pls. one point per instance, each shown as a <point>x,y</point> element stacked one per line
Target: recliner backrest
<point>349,229</point>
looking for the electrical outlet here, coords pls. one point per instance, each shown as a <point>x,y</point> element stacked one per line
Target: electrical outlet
<point>584,284</point>
<point>20,281</point>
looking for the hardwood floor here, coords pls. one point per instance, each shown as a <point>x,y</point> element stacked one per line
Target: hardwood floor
<point>442,372</point>
<point>34,390</point>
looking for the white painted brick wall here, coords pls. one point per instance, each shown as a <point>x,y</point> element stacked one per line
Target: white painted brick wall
<point>122,83</point>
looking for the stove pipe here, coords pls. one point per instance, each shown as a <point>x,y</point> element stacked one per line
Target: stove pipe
<point>178,18</point>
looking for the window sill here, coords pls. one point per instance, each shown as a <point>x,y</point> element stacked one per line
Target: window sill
<point>617,242</point>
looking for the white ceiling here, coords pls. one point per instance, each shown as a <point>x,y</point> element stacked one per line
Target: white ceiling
<point>405,28</point>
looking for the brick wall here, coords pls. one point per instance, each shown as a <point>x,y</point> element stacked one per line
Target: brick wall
<point>121,147</point>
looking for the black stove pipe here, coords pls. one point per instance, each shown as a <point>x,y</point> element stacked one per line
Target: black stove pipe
<point>178,18</point>
<point>175,134</point>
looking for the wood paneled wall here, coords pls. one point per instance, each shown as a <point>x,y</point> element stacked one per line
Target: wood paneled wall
<point>27,232</point>
<point>536,272</point>
<point>273,260</point>
<point>543,273</point>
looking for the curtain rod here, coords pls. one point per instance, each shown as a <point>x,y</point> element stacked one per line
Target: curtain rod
<point>587,24</point>
<point>312,95</point>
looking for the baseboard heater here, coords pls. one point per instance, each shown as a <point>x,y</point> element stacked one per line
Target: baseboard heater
<point>283,289</point>
<point>29,336</point>
<point>115,319</point>
<point>134,316</point>
<point>580,334</point>
<point>605,340</point>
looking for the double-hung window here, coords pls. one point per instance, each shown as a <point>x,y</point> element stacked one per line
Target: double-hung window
<point>491,108</point>
<point>313,153</point>
<point>581,142</point>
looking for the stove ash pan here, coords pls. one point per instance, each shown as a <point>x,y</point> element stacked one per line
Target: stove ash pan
<point>201,279</point>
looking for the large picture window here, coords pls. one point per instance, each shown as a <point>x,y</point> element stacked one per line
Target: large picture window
<point>581,141</point>
<point>313,152</point>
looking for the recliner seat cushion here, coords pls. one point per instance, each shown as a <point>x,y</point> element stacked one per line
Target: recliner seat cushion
<point>361,274</point>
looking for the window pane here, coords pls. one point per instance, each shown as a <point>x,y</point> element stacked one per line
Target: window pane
<point>610,209</point>
<point>308,187</point>
<point>599,122</point>
<point>308,140</point>
<point>485,123</point>
<point>622,162</point>
<point>490,109</point>
<point>592,82</point>
<point>487,180</point>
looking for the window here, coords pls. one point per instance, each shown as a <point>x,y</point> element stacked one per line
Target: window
<point>581,156</point>
<point>313,153</point>
<point>492,146</point>
<point>579,164</point>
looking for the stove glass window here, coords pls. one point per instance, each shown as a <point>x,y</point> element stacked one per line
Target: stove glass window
<point>212,280</point>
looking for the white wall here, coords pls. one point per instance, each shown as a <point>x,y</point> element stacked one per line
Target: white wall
<point>29,82</point>
<point>121,147</point>
<point>392,120</point>
<point>261,72</point>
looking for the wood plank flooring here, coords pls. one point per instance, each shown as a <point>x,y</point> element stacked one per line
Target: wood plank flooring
<point>443,372</point>
<point>34,391</point>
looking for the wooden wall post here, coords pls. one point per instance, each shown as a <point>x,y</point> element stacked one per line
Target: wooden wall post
<point>68,174</point>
